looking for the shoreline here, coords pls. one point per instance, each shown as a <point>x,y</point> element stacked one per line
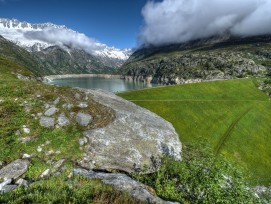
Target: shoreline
<point>67,76</point>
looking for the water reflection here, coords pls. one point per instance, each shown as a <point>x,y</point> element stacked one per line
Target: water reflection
<point>112,85</point>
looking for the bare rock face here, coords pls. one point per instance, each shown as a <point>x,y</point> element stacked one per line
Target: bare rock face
<point>14,170</point>
<point>136,139</point>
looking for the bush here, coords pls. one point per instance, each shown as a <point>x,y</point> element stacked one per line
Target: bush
<point>199,178</point>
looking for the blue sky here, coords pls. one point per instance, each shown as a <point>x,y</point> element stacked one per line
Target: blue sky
<point>113,22</point>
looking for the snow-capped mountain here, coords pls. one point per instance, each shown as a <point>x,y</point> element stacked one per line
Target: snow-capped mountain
<point>38,37</point>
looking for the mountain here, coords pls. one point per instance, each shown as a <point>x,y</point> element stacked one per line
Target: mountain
<point>19,55</point>
<point>60,50</point>
<point>218,57</point>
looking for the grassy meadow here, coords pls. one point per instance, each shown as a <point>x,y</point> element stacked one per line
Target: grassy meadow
<point>19,105</point>
<point>231,117</point>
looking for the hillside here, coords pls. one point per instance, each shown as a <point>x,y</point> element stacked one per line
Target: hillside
<point>53,138</point>
<point>16,54</point>
<point>219,57</point>
<point>230,117</point>
<point>53,60</point>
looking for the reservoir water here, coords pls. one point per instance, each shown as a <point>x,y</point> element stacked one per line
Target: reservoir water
<point>111,85</point>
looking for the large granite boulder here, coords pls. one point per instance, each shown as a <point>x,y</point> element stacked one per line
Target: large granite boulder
<point>14,170</point>
<point>135,141</point>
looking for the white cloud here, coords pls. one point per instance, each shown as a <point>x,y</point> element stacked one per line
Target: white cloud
<point>65,37</point>
<point>176,21</point>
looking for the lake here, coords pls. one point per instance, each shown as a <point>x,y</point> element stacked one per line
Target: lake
<point>111,84</point>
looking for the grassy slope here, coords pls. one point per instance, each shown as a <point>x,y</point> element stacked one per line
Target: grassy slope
<point>230,116</point>
<point>14,95</point>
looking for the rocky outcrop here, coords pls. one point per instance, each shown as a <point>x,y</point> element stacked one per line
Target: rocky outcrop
<point>124,183</point>
<point>135,141</point>
<point>233,58</point>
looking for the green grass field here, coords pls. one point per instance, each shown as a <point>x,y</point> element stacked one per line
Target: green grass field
<point>232,117</point>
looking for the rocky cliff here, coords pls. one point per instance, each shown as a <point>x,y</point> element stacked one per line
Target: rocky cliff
<point>214,58</point>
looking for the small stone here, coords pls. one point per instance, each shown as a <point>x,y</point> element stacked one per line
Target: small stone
<point>57,165</point>
<point>67,106</point>
<point>51,152</point>
<point>63,120</point>
<point>14,170</point>
<point>83,119</point>
<point>46,106</point>
<point>39,114</point>
<point>26,130</point>
<point>47,122</point>
<point>47,142</point>
<point>1,100</point>
<point>57,101</point>
<point>21,182</point>
<point>25,139</point>
<point>83,105</point>
<point>70,175</point>
<point>9,188</point>
<point>58,152</point>
<point>39,149</point>
<point>77,96</point>
<point>3,184</point>
<point>45,174</point>
<point>26,156</point>
<point>38,96</point>
<point>51,111</point>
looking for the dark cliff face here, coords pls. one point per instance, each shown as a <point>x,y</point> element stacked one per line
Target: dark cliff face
<point>220,57</point>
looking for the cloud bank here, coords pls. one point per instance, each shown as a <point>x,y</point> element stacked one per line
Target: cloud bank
<point>65,37</point>
<point>177,21</point>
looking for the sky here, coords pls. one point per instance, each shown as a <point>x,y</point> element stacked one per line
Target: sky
<point>113,22</point>
<point>135,23</point>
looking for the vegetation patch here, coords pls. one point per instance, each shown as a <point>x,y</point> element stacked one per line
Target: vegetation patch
<point>22,104</point>
<point>199,178</point>
<point>204,112</point>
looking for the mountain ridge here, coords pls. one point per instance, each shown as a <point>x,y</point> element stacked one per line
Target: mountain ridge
<point>218,57</point>
<point>37,38</point>
<point>8,28</point>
